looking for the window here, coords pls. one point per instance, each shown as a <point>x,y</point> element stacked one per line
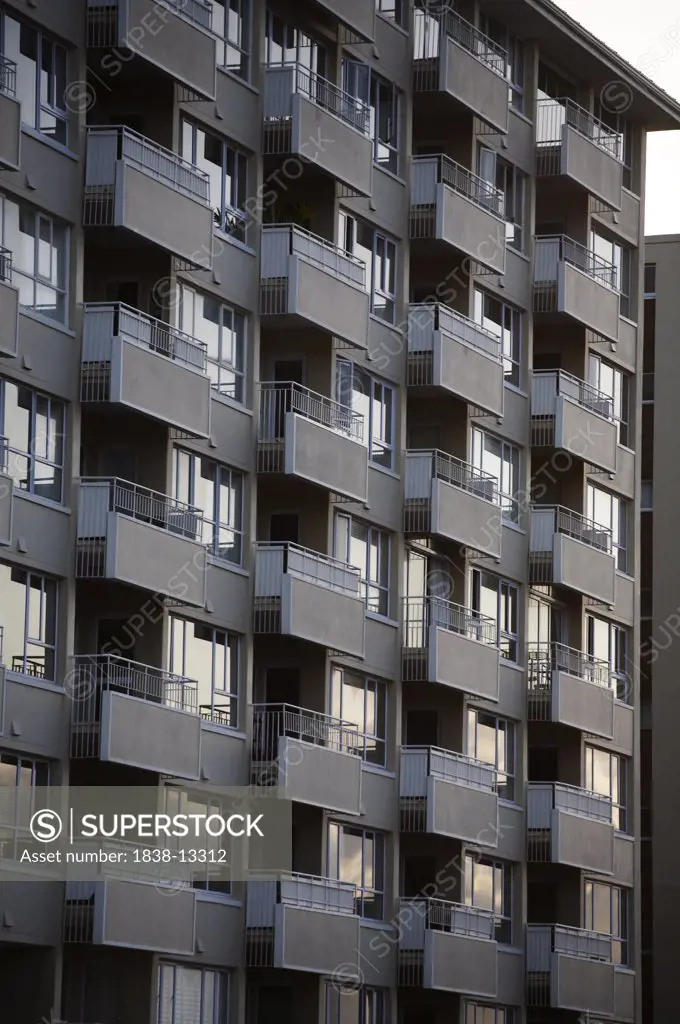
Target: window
<point>192,995</point>
<point>619,257</point>
<point>25,774</point>
<point>609,642</point>
<point>650,280</point>
<point>223,330</point>
<point>606,912</point>
<point>477,1013</point>
<point>607,510</point>
<point>606,773</point>
<point>625,128</point>
<point>364,1006</point>
<point>227,169</point>
<point>488,885</point>
<point>28,614</point>
<point>210,657</point>
<point>33,425</point>
<point>501,459</point>
<point>647,496</point>
<point>492,740</point>
<point>506,323</point>
<point>231,24</point>
<point>552,85</point>
<point>368,548</point>
<point>286,44</point>
<point>616,385</point>
<point>218,492</point>
<point>208,876</point>
<point>357,856</point>
<point>514,48</point>
<point>392,9</point>
<point>41,77</point>
<point>382,98</point>
<point>374,399</point>
<point>39,247</point>
<point>363,702</point>
<point>379,253</point>
<point>498,599</point>
<point>511,182</point>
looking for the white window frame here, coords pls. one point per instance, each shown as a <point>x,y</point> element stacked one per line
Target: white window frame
<point>35,276</point>
<point>186,320</point>
<point>616,519</point>
<point>507,597</point>
<point>240,45</point>
<point>618,782</point>
<point>348,227</point>
<point>615,384</point>
<point>187,1015</point>
<point>344,553</point>
<point>616,635</point>
<point>379,854</point>
<point>177,629</point>
<point>229,216</point>
<point>502,888</point>
<point>618,921</point>
<point>370,685</point>
<point>37,441</point>
<point>346,372</point>
<point>506,772</point>
<point>213,518</point>
<point>26,663</point>
<point>49,106</point>
<point>510,339</point>
<point>511,462</point>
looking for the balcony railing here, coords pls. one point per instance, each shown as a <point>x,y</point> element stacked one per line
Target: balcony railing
<point>551,250</point>
<point>429,171</point>
<point>419,763</point>
<point>275,560</point>
<point>5,265</point>
<point>435,23</point>
<point>280,397</point>
<point>545,939</point>
<point>418,915</point>
<point>283,82</point>
<point>426,318</point>
<point>547,385</point>
<point>307,892</point>
<point>544,797</point>
<point>199,12</point>
<point>424,466</point>
<point>107,145</point>
<point>272,721</point>
<point>8,77</point>
<point>547,520</point>
<point>91,673</point>
<point>279,241</point>
<point>544,659</point>
<point>422,612</point>
<point>553,114</point>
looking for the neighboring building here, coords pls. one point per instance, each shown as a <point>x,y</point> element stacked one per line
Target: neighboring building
<point>255,468</point>
<point>659,620</point>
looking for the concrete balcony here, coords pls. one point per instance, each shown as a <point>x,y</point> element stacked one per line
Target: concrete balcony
<point>454,58</point>
<point>570,688</point>
<point>173,36</point>
<point>10,117</point>
<point>314,438</point>
<point>138,915</point>
<point>151,192</point>
<point>310,596</point>
<point>131,359</point>
<point>448,794</point>
<point>135,714</point>
<point>453,206</point>
<point>448,498</point>
<point>301,108</point>
<point>306,281</point>
<point>572,282</point>
<point>574,145</point>
<point>568,550</point>
<point>6,496</point>
<point>448,644</point>
<point>137,536</point>
<point>447,946</point>
<point>303,923</point>
<point>313,756</point>
<point>569,825</point>
<point>9,304</point>
<point>568,414</point>
<point>357,16</point>
<point>573,969</point>
<point>447,350</point>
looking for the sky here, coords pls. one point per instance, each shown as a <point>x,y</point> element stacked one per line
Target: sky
<point>647,34</point>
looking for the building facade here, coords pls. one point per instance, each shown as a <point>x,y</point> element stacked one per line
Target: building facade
<point>323,325</point>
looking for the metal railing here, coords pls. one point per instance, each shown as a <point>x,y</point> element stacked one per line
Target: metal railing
<point>280,397</point>
<point>551,250</point>
<point>273,561</point>
<point>281,83</point>
<point>424,466</point>
<point>547,520</point>
<point>419,763</point>
<point>111,494</point>
<point>273,721</point>
<point>199,12</point>
<point>553,114</point>
<point>8,76</point>
<point>545,939</point>
<point>429,171</point>
<point>308,892</point>
<point>432,24</point>
<point>422,612</point>
<point>544,659</point>
<point>280,241</point>
<point>426,318</point>
<point>544,797</point>
<point>418,915</point>
<point>547,385</point>
<point>5,264</point>
<point>107,145</point>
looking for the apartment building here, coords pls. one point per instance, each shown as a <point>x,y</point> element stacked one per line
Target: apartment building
<point>321,334</point>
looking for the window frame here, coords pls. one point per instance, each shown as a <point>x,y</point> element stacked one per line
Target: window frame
<point>371,1005</point>
<point>370,91</point>
<point>348,241</point>
<point>344,393</point>
<point>506,771</point>
<point>336,709</point>
<point>43,41</point>
<point>507,603</point>
<point>16,455</point>
<point>187,307</point>
<point>619,392</point>
<point>220,1004</point>
<point>178,801</point>
<point>503,920</point>
<point>22,814</point>
<point>510,338</point>
<point>501,1014</point>
<point>512,183</point>
<point>57,230</point>
<point>618,917</point>
<point>318,53</point>
<point>510,460</point>
<point>49,655</point>
<point>195,465</point>
<point>617,643</point>
<point>384,547</point>
<point>514,47</point>
<point>363,892</point>
<point>618,782</point>
<point>237,230</point>
<point>242,47</point>
<point>398,9</point>
<point>618,521</point>
<point>232,662</point>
